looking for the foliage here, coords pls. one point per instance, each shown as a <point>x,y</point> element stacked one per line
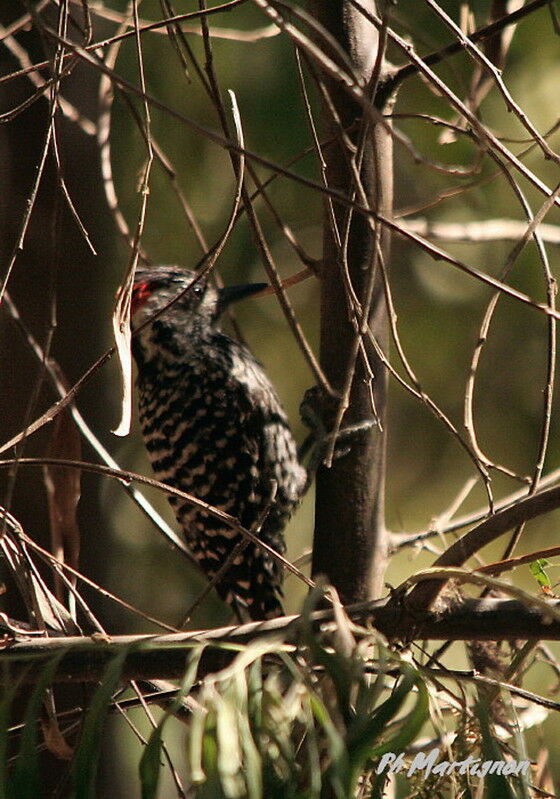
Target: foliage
<point>282,720</point>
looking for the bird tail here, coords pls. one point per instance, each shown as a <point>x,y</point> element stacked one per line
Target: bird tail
<point>259,606</point>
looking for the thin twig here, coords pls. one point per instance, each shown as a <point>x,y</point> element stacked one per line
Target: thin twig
<point>511,105</point>
<point>123,474</point>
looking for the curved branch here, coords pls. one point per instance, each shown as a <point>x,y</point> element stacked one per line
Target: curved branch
<point>424,595</point>
<point>394,80</point>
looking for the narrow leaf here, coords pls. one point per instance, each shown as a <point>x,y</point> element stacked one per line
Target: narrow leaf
<point>8,693</point>
<point>410,726</point>
<point>26,779</point>
<point>229,759</point>
<point>54,739</point>
<point>195,747</point>
<point>339,770</point>
<point>366,730</point>
<point>339,668</point>
<point>150,762</point>
<point>63,494</point>
<point>496,785</point>
<point>87,753</point>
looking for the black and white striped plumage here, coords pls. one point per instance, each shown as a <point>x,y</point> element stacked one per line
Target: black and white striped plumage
<point>214,427</point>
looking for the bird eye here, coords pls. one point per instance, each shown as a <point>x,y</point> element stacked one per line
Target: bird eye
<point>198,290</point>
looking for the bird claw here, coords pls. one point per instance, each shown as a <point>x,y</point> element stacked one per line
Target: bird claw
<point>317,410</point>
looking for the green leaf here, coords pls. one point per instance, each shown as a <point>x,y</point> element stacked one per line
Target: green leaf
<point>497,786</point>
<point>255,695</point>
<point>26,780</point>
<point>368,728</point>
<point>378,790</point>
<point>150,762</point>
<point>412,724</point>
<point>361,741</point>
<point>342,670</point>
<point>339,770</point>
<point>369,693</point>
<point>537,568</point>
<point>87,753</point>
<point>313,755</point>
<point>211,788</point>
<point>251,758</point>
<point>195,747</point>
<point>8,693</point>
<point>229,758</point>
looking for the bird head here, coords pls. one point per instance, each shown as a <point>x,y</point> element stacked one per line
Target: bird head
<point>193,315</point>
<point>156,287</point>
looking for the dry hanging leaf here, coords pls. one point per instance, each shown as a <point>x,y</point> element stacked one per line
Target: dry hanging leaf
<point>63,494</point>
<point>42,605</point>
<point>121,330</point>
<point>543,778</point>
<point>52,735</point>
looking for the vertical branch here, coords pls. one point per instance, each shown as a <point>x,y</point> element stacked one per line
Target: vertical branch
<point>350,545</point>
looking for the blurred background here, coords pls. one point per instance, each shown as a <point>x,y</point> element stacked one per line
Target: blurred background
<point>66,293</point>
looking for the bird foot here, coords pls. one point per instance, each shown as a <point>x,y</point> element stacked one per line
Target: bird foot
<point>318,412</point>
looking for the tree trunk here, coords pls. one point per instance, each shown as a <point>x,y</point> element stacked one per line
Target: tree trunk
<point>350,539</point>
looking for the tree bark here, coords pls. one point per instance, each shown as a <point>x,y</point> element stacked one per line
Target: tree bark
<point>350,545</point>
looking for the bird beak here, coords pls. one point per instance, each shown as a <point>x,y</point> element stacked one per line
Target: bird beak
<point>231,294</point>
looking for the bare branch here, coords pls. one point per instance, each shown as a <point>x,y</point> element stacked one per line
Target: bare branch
<point>458,553</point>
<point>164,656</point>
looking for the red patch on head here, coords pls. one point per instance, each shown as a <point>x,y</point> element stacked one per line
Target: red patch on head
<point>141,293</point>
